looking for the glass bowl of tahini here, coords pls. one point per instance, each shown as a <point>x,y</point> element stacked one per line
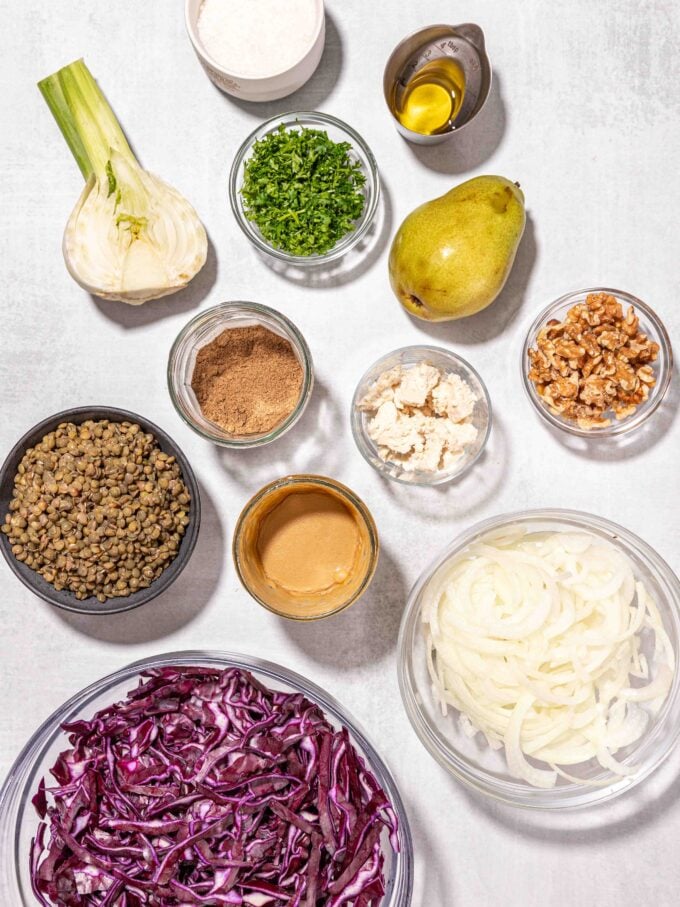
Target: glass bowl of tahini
<point>305,547</point>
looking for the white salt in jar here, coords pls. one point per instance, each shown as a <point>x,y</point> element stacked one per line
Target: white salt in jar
<point>258,50</point>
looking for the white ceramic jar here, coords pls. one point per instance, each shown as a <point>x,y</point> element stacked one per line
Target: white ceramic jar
<point>258,88</point>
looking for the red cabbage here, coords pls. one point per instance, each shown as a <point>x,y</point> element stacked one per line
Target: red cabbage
<point>203,787</point>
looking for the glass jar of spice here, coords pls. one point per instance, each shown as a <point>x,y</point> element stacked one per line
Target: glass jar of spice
<point>240,374</point>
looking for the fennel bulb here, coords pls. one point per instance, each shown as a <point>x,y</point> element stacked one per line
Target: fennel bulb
<point>131,237</point>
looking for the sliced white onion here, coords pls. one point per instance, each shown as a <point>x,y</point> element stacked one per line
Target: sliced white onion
<point>535,639</point>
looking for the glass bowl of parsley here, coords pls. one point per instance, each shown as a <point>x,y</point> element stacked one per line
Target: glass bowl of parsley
<point>304,188</point>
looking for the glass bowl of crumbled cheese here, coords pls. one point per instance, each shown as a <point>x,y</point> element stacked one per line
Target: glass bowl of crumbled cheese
<point>421,415</point>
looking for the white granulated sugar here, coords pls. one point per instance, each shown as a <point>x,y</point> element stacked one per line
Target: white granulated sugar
<point>257,38</point>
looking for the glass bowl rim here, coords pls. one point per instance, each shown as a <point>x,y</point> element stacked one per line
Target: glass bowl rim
<point>356,423</point>
<point>25,765</point>
<point>573,796</point>
<point>344,244</point>
<point>345,492</point>
<point>293,334</point>
<point>629,423</point>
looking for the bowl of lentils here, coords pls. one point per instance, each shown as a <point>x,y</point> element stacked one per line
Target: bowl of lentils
<point>99,509</point>
<point>304,188</point>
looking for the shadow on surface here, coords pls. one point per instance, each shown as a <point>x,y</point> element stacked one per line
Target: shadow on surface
<point>136,316</point>
<point>310,446</point>
<point>313,93</point>
<point>505,310</point>
<point>468,149</point>
<point>461,496</point>
<point>366,632</point>
<point>178,605</point>
<point>434,889</point>
<point>625,816</point>
<point>356,262</point>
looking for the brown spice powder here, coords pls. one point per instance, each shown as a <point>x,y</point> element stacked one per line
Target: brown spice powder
<point>247,380</point>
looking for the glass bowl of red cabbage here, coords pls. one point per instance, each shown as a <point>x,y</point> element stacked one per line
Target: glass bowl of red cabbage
<point>202,778</point>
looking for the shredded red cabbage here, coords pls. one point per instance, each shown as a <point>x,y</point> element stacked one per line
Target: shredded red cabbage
<point>205,787</point>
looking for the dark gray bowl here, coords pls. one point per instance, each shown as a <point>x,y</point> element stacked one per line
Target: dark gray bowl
<point>65,599</point>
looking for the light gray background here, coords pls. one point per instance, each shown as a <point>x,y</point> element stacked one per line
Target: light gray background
<point>584,113</point>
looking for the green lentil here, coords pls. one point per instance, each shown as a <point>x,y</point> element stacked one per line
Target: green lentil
<point>82,485</point>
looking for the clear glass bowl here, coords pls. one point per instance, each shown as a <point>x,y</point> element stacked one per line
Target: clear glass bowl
<point>471,760</point>
<point>204,328</point>
<point>338,132</point>
<point>650,324</point>
<point>446,361</point>
<point>18,820</point>
<point>245,535</point>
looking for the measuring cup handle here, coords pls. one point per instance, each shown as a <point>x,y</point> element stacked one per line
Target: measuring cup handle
<point>473,34</point>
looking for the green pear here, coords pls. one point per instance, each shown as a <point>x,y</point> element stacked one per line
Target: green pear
<point>452,255</point>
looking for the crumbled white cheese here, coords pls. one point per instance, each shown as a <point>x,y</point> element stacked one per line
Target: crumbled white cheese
<point>416,385</point>
<point>453,397</point>
<point>420,417</point>
<point>382,390</point>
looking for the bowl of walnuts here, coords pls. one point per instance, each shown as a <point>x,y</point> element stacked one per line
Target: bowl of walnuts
<point>597,363</point>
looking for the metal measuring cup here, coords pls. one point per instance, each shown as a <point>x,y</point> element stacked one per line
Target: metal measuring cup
<point>463,43</point>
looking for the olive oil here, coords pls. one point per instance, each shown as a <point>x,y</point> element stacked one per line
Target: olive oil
<point>429,102</point>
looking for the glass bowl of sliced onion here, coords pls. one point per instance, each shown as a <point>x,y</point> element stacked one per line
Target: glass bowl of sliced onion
<point>538,659</point>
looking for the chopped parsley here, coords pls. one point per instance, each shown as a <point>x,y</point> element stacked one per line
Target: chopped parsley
<point>302,190</point>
